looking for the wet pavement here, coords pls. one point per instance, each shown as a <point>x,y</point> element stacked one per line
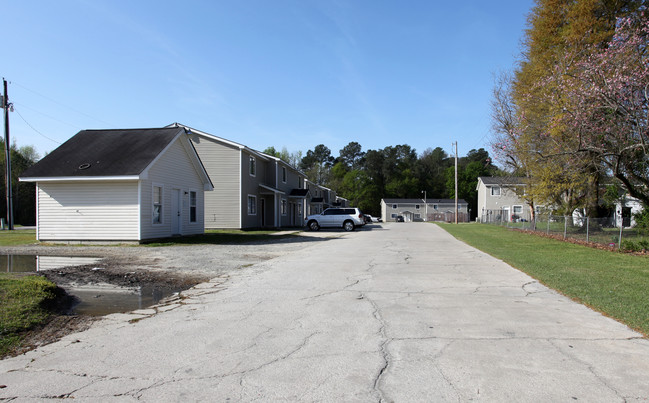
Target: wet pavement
<point>399,312</point>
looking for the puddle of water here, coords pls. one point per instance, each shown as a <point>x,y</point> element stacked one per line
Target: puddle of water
<point>95,299</point>
<point>104,299</point>
<point>33,263</point>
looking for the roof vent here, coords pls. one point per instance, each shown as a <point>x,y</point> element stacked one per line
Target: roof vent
<point>84,166</point>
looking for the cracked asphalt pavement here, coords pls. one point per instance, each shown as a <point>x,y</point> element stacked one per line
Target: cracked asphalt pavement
<point>397,312</point>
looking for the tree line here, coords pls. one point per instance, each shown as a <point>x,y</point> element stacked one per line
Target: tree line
<point>572,116</point>
<point>24,193</point>
<point>366,177</point>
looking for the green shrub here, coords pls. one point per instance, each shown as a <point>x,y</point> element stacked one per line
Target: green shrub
<point>631,246</point>
<point>644,244</point>
<point>642,221</point>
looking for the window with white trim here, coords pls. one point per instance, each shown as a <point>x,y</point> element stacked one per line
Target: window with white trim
<point>495,190</point>
<point>192,206</point>
<point>157,204</point>
<point>517,210</point>
<point>394,206</point>
<point>252,205</point>
<point>417,206</point>
<point>393,215</point>
<point>417,215</point>
<point>253,166</point>
<point>435,206</point>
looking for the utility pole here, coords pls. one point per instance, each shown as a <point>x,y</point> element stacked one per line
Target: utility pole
<point>456,212</point>
<point>425,204</point>
<point>10,211</point>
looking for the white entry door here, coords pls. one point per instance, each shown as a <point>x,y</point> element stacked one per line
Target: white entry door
<point>176,210</point>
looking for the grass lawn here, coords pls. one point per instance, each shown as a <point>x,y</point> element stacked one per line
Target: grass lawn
<point>17,237</point>
<point>613,283</point>
<point>25,302</point>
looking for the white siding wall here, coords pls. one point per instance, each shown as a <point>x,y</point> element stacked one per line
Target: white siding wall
<point>173,170</point>
<point>87,211</point>
<point>222,205</point>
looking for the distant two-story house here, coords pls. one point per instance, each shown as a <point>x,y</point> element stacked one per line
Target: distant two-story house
<point>251,189</point>
<point>322,198</point>
<point>419,210</point>
<point>499,200</point>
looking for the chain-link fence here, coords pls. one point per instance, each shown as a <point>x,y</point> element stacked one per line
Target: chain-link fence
<point>614,232</point>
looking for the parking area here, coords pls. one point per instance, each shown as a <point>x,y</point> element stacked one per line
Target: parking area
<point>391,313</point>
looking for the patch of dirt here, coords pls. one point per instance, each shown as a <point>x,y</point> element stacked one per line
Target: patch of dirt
<point>53,330</point>
<point>111,271</point>
<point>581,242</point>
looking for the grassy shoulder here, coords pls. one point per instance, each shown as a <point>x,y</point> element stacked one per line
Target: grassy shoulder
<point>613,283</point>
<point>25,302</point>
<point>18,237</point>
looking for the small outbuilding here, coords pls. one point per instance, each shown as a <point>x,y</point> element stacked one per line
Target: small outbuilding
<point>120,185</point>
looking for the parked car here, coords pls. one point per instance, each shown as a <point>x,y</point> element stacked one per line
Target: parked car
<point>367,218</point>
<point>400,218</point>
<point>347,218</point>
<point>370,219</point>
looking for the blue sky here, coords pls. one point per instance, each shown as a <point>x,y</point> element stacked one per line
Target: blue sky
<point>282,73</point>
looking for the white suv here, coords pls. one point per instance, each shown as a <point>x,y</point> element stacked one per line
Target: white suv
<point>346,218</point>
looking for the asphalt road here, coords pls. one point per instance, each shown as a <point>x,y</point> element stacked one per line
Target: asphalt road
<point>402,312</point>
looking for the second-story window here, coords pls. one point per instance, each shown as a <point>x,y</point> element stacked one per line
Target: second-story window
<point>284,174</point>
<point>495,191</point>
<point>253,166</point>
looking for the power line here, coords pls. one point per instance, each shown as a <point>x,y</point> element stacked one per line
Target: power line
<point>48,116</point>
<point>63,105</point>
<point>34,129</point>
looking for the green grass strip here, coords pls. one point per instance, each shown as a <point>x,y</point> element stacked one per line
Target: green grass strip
<point>613,283</point>
<point>17,237</point>
<point>25,302</point>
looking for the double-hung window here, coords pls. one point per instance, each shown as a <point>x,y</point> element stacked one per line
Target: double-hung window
<point>252,205</point>
<point>284,174</point>
<point>253,166</point>
<point>283,206</point>
<point>495,190</point>
<point>157,204</point>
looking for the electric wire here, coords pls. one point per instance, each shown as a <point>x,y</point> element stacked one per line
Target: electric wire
<point>63,105</point>
<point>33,128</point>
<point>47,116</point>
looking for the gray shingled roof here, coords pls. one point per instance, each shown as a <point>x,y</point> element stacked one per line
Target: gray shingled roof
<point>503,180</point>
<point>123,152</point>
<point>421,201</point>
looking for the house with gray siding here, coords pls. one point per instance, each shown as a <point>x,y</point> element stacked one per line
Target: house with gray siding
<point>423,210</point>
<point>251,189</point>
<point>120,185</point>
<point>499,199</point>
<point>322,198</point>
